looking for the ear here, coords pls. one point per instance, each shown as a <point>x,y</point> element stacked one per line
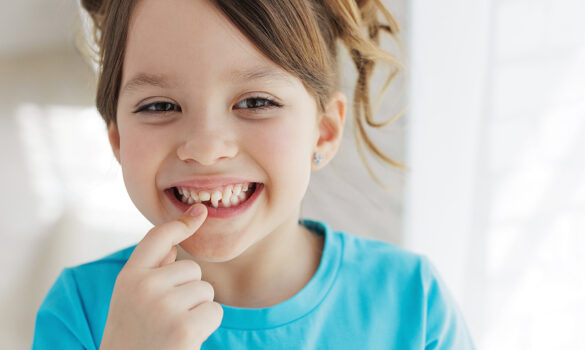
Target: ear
<point>330,128</point>
<point>114,137</point>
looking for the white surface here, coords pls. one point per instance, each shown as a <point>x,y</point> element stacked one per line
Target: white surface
<point>496,198</point>
<point>36,25</point>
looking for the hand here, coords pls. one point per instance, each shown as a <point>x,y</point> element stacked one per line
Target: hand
<point>160,303</point>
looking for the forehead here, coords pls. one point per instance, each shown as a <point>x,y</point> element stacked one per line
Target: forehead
<point>190,40</point>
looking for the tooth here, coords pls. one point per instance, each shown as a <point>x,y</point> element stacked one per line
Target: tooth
<point>191,200</point>
<point>244,187</point>
<point>180,190</point>
<point>227,194</point>
<point>235,200</point>
<point>194,196</point>
<point>215,197</point>
<point>242,196</point>
<point>204,196</point>
<point>184,199</point>
<point>237,189</point>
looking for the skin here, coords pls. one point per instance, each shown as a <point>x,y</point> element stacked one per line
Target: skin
<point>210,133</point>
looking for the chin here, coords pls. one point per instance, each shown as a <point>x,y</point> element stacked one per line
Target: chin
<point>217,248</point>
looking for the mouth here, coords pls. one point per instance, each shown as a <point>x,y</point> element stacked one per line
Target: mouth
<point>225,201</point>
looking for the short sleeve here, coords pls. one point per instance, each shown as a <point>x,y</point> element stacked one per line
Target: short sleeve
<point>61,321</point>
<point>445,326</point>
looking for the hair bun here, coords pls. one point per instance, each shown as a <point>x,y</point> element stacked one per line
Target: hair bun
<point>92,6</point>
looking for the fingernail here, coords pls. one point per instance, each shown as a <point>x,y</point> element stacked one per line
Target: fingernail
<point>195,210</point>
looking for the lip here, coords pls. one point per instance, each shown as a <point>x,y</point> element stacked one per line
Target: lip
<point>212,212</point>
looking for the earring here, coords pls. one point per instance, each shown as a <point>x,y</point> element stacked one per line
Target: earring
<point>317,158</point>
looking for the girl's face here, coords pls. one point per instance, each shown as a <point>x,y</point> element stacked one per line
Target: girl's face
<point>200,107</point>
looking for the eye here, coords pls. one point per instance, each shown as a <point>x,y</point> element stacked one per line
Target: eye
<point>159,107</point>
<point>256,103</point>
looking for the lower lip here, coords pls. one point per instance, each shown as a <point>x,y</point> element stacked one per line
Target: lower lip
<point>220,212</point>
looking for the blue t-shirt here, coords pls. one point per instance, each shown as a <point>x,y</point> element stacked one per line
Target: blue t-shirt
<point>366,294</point>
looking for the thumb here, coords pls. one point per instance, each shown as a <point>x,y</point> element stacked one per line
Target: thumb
<point>171,257</point>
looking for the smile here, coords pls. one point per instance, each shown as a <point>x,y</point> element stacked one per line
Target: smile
<point>221,202</point>
<point>230,195</point>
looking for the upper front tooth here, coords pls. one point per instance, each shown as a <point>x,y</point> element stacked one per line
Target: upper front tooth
<point>204,196</point>
<point>227,194</point>
<point>194,196</point>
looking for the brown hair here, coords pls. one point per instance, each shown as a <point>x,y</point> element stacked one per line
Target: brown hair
<point>299,35</point>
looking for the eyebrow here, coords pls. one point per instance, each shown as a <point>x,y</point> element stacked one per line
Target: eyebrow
<point>145,79</point>
<point>257,73</point>
<point>162,81</point>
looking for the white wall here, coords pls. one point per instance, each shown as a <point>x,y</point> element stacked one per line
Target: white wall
<point>496,140</point>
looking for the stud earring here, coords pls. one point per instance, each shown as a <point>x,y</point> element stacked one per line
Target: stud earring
<point>317,158</point>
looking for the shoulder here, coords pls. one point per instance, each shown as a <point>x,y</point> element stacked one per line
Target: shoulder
<point>368,255</point>
<point>374,267</point>
<point>103,267</point>
<point>408,283</point>
<point>75,279</point>
<point>95,277</point>
<point>91,280</point>
<point>77,303</point>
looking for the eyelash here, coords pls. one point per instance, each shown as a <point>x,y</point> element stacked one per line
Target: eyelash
<point>267,104</point>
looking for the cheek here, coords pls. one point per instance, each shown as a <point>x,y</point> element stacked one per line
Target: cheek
<point>135,156</point>
<point>138,160</point>
<point>285,150</point>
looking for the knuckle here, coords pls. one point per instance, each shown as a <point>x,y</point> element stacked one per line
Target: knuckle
<point>164,304</point>
<point>218,309</point>
<point>147,287</point>
<point>193,267</point>
<point>207,289</point>
<point>183,223</point>
<point>158,232</point>
<point>216,314</point>
<point>150,235</point>
<point>213,311</point>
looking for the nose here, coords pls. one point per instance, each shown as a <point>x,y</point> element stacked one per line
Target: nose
<point>206,142</point>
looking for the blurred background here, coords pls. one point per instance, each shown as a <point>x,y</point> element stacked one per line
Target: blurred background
<point>494,138</point>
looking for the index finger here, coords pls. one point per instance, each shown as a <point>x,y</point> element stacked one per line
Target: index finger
<point>159,241</point>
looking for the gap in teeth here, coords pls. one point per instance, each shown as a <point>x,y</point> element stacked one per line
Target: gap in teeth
<point>231,195</point>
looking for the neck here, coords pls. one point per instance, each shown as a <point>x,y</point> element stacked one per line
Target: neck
<point>269,272</point>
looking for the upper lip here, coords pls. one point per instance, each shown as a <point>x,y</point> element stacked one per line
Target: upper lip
<point>210,182</point>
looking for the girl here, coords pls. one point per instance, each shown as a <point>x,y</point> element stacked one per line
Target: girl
<point>217,112</point>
